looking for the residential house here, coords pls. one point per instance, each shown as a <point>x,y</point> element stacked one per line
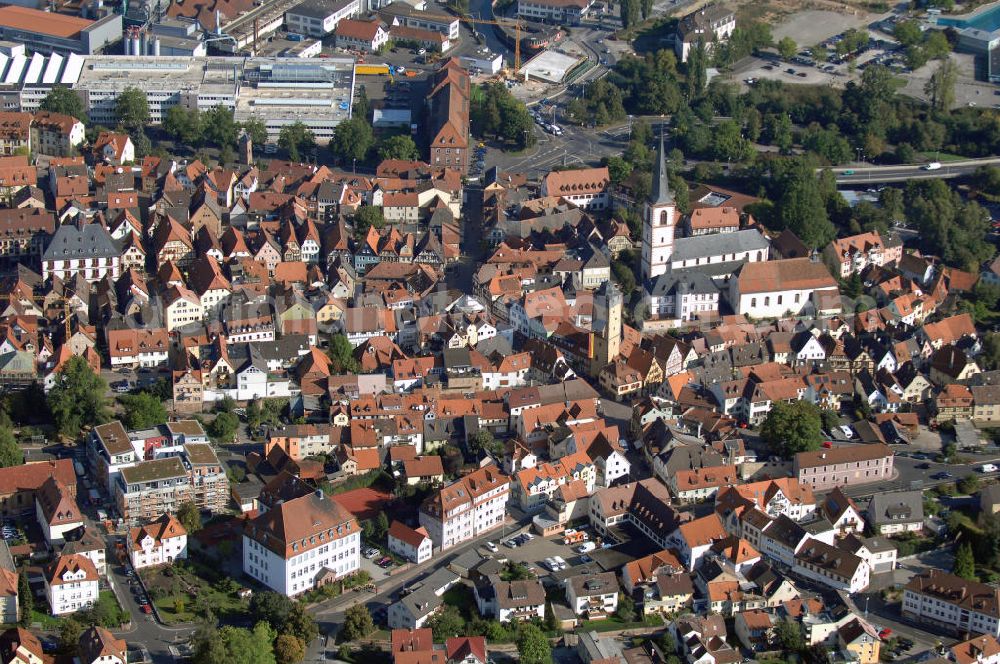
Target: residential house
<point>413,544</point>
<point>71,584</point>
<point>504,601</point>
<point>592,595</point>
<point>896,512</point>
<point>158,543</point>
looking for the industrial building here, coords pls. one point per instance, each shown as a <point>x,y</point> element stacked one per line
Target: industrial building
<point>278,91</point>
<point>318,94</point>
<point>318,18</point>
<point>24,81</point>
<point>48,32</point>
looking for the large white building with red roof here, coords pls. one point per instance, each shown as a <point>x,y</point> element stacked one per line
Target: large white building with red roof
<point>301,544</point>
<point>467,508</point>
<point>158,543</point>
<point>71,584</point>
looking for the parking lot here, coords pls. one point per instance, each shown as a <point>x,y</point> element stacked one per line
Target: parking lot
<point>537,552</point>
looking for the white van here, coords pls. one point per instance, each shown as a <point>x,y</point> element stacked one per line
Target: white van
<point>933,166</point>
<point>586,547</point>
<point>988,468</point>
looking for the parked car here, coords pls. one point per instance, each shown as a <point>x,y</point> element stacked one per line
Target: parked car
<point>586,547</point>
<point>988,468</point>
<point>492,547</point>
<point>511,544</point>
<point>943,475</point>
<point>559,561</point>
<point>147,609</point>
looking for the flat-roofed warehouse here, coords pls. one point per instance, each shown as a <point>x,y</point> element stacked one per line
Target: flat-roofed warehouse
<point>282,92</point>
<point>201,83</point>
<point>278,91</point>
<point>48,32</point>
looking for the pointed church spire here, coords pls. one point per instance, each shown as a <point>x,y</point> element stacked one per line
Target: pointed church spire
<point>661,186</point>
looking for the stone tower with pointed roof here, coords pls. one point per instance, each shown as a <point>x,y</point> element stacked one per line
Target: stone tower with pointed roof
<point>606,329</point>
<point>660,221</point>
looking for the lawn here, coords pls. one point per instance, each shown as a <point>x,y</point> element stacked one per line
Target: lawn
<point>182,595</point>
<point>943,157</point>
<point>460,596</point>
<point>612,623</point>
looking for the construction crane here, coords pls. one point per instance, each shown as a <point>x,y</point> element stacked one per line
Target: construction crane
<point>40,299</point>
<point>517,32</point>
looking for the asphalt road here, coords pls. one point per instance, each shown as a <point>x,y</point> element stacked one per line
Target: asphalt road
<point>330,614</point>
<point>883,174</point>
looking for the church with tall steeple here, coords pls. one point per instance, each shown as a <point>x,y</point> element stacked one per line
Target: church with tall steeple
<point>660,220</point>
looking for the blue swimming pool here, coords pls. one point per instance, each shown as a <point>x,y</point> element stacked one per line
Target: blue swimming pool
<point>988,20</point>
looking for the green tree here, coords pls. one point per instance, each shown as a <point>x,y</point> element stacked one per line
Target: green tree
<point>234,645</point>
<point>256,129</point>
<point>69,636</point>
<point>484,441</point>
<point>273,608</point>
<point>140,141</point>
<point>289,649</point>
<point>61,99</point>
<point>618,169</point>
<point>299,624</point>
<point>630,12</point>
<point>352,139</point>
<point>399,146</point>
<point>365,217</point>
<point>220,127</point>
<point>190,517</point>
<point>788,635</point>
<point>532,645</point>
<point>25,599</point>
<point>142,410</point>
<point>184,125</point>
<point>342,353</point>
<point>968,485</point>
<point>787,48</point>
<point>132,109</point>
<point>624,276</point>
<point>728,143</point>
<point>297,137</point>
<point>990,357</point>
<point>626,608</point>
<point>793,427</point>
<point>78,397</point>
<point>11,453</point>
<point>940,87</point>
<point>447,623</point>
<point>801,206</point>
<point>908,33</point>
<point>358,623</point>
<point>224,427</point>
<point>965,562</point>
<point>381,525</point>
<point>697,70</point>
<point>362,107</point>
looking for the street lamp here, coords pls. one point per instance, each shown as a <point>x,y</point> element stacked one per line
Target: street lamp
<point>354,165</point>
